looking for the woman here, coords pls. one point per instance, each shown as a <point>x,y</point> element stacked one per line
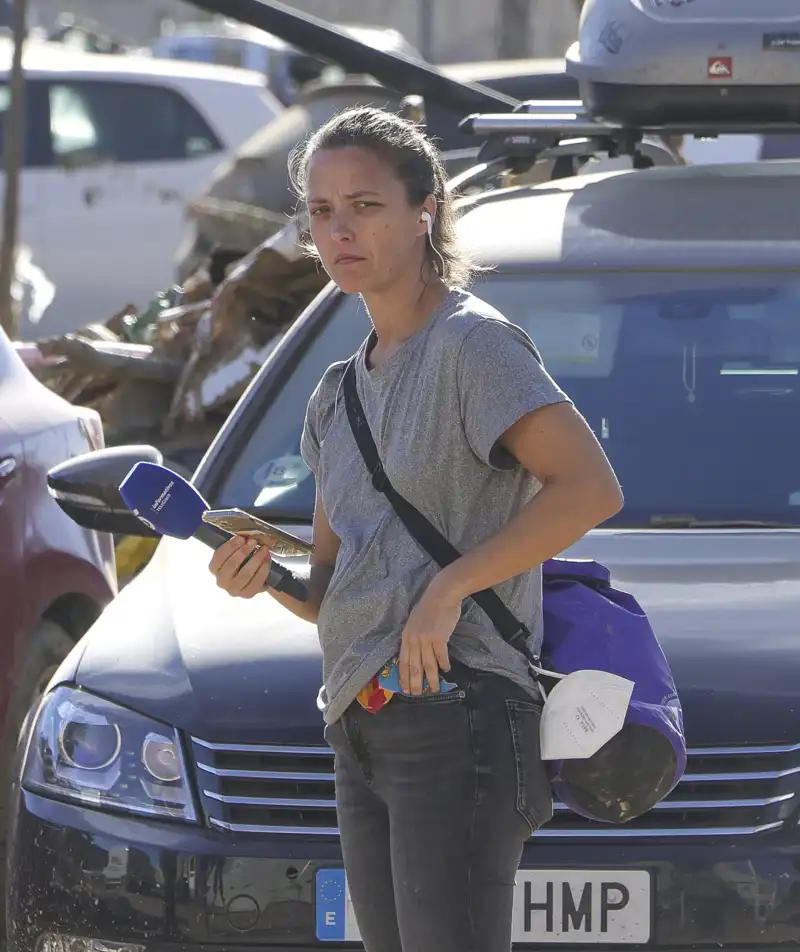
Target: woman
<point>438,785</point>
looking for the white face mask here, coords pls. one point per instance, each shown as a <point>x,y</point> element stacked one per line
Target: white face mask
<point>582,713</point>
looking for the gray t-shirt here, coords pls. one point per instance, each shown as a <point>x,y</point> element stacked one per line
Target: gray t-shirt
<point>436,409</point>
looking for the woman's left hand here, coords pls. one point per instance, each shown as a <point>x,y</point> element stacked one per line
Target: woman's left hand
<point>423,650</point>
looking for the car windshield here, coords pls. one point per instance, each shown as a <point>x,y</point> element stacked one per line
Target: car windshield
<point>691,382</point>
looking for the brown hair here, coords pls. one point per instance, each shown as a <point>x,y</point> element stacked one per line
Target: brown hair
<point>417,163</point>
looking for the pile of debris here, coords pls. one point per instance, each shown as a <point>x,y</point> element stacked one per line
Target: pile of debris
<point>169,375</point>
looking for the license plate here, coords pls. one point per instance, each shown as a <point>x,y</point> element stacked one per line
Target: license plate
<point>572,906</point>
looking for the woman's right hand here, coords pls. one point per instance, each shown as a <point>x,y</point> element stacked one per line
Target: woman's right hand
<point>239,580</point>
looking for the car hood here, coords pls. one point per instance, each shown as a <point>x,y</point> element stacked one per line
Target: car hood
<point>724,604</point>
<point>176,647</point>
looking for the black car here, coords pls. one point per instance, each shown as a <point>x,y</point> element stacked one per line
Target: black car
<point>175,788</point>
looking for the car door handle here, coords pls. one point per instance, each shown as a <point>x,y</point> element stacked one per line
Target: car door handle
<point>8,467</point>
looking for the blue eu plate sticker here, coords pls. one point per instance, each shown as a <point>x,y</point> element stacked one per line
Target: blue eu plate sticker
<point>331,905</point>
<point>336,920</point>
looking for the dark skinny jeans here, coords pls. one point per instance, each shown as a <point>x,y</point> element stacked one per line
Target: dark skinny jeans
<point>436,796</point>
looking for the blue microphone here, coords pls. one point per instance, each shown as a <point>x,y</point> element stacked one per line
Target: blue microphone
<point>166,503</point>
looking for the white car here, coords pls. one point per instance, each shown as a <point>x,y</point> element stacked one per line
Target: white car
<point>116,145</point>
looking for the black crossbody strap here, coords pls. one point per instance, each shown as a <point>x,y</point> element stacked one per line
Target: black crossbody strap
<point>426,535</point>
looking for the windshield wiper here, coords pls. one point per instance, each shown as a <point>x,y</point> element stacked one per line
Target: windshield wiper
<point>679,521</point>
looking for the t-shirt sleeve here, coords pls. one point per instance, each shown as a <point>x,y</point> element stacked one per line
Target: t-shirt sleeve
<point>310,441</point>
<point>319,414</point>
<point>500,380</point>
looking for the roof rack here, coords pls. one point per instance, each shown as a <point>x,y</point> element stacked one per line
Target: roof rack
<point>565,132</point>
<point>570,118</point>
<point>554,131</point>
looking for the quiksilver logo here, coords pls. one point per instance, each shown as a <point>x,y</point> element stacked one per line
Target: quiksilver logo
<point>720,67</point>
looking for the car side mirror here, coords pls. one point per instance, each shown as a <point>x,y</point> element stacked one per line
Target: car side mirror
<point>86,488</point>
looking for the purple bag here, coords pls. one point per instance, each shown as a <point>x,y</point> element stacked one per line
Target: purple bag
<point>590,624</point>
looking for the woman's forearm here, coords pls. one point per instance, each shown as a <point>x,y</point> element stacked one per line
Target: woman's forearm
<point>554,519</point>
<point>316,579</point>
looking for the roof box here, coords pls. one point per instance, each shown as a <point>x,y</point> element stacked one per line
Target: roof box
<point>671,62</point>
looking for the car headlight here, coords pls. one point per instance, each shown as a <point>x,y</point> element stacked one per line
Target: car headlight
<point>89,750</point>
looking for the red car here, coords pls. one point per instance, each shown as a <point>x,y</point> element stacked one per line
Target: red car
<point>55,577</point>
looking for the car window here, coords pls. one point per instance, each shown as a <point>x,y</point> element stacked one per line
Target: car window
<point>230,51</point>
<point>72,125</point>
<point>125,122</point>
<point>193,49</point>
<point>279,477</point>
<point>222,50</point>
<point>36,146</point>
<point>690,382</point>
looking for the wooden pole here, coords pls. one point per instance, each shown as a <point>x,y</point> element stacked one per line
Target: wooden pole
<point>13,159</point>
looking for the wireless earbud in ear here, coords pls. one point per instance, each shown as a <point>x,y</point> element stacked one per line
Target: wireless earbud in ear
<point>426,217</point>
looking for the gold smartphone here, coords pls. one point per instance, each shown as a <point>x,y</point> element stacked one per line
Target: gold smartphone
<point>239,522</point>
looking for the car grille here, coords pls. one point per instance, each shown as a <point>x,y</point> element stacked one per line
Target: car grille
<point>271,789</point>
